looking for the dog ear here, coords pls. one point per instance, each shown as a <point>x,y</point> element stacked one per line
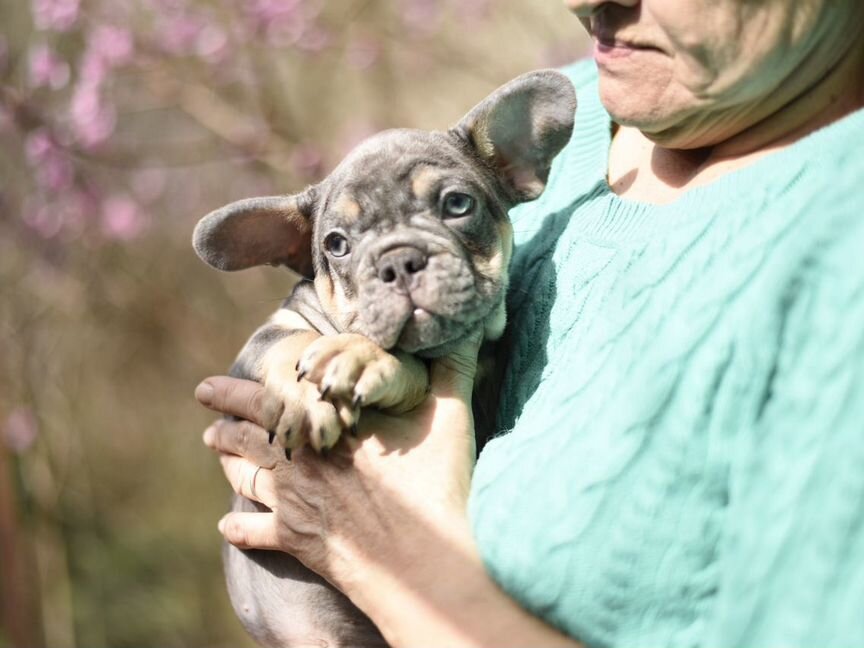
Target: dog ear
<point>273,230</point>
<point>521,127</point>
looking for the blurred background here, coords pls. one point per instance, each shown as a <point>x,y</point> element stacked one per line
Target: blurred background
<point>122,122</point>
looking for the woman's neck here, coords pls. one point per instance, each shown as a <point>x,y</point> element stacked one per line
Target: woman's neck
<point>643,170</point>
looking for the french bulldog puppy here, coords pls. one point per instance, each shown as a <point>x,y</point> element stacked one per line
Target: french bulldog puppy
<point>404,248</point>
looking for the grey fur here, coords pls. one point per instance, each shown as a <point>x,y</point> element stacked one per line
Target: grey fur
<point>407,255</point>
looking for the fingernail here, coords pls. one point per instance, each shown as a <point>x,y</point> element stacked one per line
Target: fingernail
<point>221,525</point>
<point>204,393</point>
<point>209,436</point>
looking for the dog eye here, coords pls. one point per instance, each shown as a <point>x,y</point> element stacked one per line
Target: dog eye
<point>457,204</point>
<point>336,244</point>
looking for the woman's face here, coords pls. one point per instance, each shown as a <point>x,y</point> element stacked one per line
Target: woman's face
<point>693,73</point>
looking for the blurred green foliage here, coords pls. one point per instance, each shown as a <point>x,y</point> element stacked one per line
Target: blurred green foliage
<point>121,124</point>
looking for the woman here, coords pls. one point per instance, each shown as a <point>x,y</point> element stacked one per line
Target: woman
<point>683,460</point>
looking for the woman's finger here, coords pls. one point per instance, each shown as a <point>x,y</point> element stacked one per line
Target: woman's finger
<point>245,439</point>
<point>245,399</point>
<point>250,530</point>
<point>249,480</point>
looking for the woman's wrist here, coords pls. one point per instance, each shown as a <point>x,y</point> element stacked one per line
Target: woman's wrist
<point>417,595</point>
<point>441,595</point>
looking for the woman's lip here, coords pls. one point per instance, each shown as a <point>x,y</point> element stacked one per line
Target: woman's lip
<point>609,48</point>
<point>605,49</point>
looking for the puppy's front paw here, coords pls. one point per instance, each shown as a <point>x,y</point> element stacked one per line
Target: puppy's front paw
<point>352,368</point>
<point>305,416</point>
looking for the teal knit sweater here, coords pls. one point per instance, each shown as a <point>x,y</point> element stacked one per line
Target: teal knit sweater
<point>681,450</point>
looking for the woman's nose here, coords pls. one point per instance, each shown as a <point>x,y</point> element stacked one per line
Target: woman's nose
<point>585,8</point>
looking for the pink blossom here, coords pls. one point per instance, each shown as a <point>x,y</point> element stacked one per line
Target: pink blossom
<point>55,15</point>
<point>212,44</point>
<point>20,430</point>
<point>283,22</point>
<point>46,69</point>
<point>52,168</point>
<point>37,145</point>
<point>42,218</point>
<point>93,68</point>
<point>92,120</point>
<point>122,218</point>
<point>178,34</point>
<point>112,44</point>
<point>267,12</point>
<point>66,214</point>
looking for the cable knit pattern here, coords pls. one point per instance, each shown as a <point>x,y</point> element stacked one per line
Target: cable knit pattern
<point>681,457</point>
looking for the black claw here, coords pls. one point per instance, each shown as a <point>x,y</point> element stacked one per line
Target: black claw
<point>297,366</point>
<point>353,430</point>
<point>300,376</point>
<point>270,437</point>
<point>288,454</point>
<point>358,400</point>
<point>325,391</point>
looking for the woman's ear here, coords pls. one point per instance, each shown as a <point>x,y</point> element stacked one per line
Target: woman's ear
<point>521,127</point>
<point>272,230</point>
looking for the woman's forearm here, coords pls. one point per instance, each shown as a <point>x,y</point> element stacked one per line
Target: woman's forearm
<point>442,596</point>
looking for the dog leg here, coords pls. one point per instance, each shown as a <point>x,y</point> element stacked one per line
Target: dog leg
<point>350,367</point>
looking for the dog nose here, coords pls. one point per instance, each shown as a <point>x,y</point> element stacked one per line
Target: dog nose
<point>397,266</point>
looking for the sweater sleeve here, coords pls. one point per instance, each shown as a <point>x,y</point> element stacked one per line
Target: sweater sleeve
<point>792,561</point>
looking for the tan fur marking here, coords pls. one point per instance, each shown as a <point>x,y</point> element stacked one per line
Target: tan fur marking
<point>499,265</point>
<point>279,360</point>
<point>348,207</point>
<point>422,180</point>
<point>324,288</point>
<point>506,229</point>
<point>496,265</point>
<point>337,306</point>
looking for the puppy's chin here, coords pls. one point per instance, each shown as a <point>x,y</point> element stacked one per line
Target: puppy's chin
<point>423,331</point>
<point>419,332</point>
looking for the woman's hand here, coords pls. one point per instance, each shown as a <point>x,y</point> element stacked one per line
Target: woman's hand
<point>372,500</point>
<point>382,517</point>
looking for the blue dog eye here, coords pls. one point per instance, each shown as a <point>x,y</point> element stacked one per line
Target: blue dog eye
<point>457,204</point>
<point>336,244</point>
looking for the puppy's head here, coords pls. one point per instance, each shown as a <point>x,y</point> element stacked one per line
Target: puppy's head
<point>407,240</point>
